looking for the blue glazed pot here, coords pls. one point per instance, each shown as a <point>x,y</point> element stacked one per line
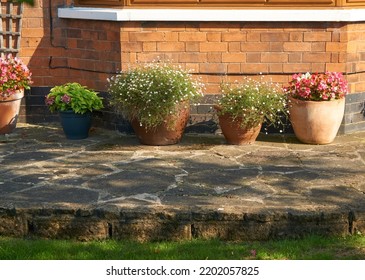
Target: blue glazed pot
<point>75,126</point>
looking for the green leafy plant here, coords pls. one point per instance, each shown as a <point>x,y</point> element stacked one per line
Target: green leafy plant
<point>252,102</point>
<point>152,92</point>
<point>75,97</point>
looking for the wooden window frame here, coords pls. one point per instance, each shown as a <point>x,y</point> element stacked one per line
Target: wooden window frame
<point>221,3</point>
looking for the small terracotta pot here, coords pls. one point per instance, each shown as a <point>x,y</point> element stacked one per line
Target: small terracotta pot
<point>234,133</point>
<point>316,122</point>
<point>9,112</point>
<point>162,134</point>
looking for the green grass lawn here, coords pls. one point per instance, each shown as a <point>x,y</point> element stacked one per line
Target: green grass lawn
<point>313,248</point>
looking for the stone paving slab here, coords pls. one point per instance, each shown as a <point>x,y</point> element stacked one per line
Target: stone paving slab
<point>110,186</point>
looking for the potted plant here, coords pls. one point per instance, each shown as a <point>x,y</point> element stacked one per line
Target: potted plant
<point>156,99</point>
<point>14,78</point>
<point>244,106</point>
<point>317,105</point>
<point>74,103</point>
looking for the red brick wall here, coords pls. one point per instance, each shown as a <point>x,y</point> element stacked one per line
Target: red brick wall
<point>215,50</point>
<point>61,50</point>
<point>65,50</point>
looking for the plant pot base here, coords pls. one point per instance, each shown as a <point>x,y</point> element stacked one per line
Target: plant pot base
<point>75,126</point>
<point>162,135</point>
<point>235,134</point>
<point>316,122</point>
<point>9,112</point>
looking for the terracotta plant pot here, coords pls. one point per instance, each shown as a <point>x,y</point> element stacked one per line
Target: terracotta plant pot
<point>316,122</point>
<point>9,112</point>
<point>234,133</point>
<point>163,135</point>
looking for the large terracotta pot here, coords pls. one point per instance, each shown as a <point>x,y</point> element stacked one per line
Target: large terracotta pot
<point>9,112</point>
<point>234,133</point>
<point>162,134</point>
<point>316,122</point>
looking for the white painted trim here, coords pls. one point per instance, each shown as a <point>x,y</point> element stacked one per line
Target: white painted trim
<point>238,15</point>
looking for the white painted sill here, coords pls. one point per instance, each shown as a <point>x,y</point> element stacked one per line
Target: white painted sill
<point>241,15</point>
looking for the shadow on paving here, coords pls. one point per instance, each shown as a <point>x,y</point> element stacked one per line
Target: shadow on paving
<point>109,186</point>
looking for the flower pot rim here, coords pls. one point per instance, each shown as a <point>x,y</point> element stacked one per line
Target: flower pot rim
<point>73,112</point>
<point>19,94</point>
<point>316,101</point>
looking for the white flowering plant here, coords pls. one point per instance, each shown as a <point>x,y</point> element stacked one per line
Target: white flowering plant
<point>153,91</point>
<point>252,102</point>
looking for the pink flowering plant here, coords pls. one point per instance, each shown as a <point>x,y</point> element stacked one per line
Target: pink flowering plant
<point>73,97</point>
<point>14,76</point>
<point>317,87</point>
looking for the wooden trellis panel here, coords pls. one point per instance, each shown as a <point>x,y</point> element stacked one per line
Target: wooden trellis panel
<point>10,26</point>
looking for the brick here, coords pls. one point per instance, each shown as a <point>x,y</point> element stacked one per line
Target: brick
<point>213,47</point>
<point>234,68</point>
<point>35,32</point>
<point>214,37</point>
<point>234,47</point>
<point>192,46</point>
<point>335,47</point>
<point>335,57</point>
<point>255,47</point>
<point>360,66</point>
<point>146,36</point>
<point>132,47</point>
<point>274,37</point>
<point>171,36</point>
<point>103,46</point>
<point>148,57</point>
<point>318,67</point>
<point>360,87</point>
<point>318,47</point>
<point>336,67</point>
<point>316,57</point>
<point>113,35</point>
<point>214,57</point>
<point>192,57</point>
<point>233,37</point>
<point>124,37</point>
<point>253,57</point>
<point>296,36</point>
<point>317,36</point>
<point>149,46</point>
<point>274,57</point>
<point>253,37</point>
<point>296,67</point>
<point>171,47</point>
<point>32,23</point>
<point>276,68</point>
<point>234,57</point>
<point>217,68</point>
<point>296,47</point>
<point>192,36</point>
<point>250,68</point>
